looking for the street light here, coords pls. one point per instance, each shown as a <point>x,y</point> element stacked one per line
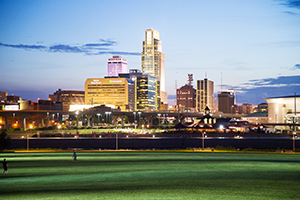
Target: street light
<point>203,133</point>
<point>98,117</point>
<point>134,113</point>
<point>107,116</point>
<point>294,134</point>
<point>139,116</point>
<point>158,118</point>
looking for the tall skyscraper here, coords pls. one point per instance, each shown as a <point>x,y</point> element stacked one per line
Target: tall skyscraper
<point>116,65</point>
<point>153,59</point>
<point>205,95</point>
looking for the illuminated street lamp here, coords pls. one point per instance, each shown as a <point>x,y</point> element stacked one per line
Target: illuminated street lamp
<point>158,118</point>
<point>139,116</point>
<point>107,116</point>
<point>98,117</point>
<point>203,133</point>
<point>294,134</point>
<point>134,113</point>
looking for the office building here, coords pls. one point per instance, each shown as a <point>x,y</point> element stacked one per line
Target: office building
<point>146,90</point>
<point>116,65</point>
<point>67,97</point>
<point>186,97</point>
<point>205,95</point>
<point>225,102</point>
<point>245,108</point>
<point>153,59</point>
<point>110,91</point>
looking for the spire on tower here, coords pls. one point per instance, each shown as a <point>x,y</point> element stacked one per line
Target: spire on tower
<point>190,79</point>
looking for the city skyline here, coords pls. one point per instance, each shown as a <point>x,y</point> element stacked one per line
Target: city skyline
<point>250,46</point>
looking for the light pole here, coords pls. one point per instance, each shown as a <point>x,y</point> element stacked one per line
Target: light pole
<point>27,142</point>
<point>139,116</point>
<point>98,114</point>
<point>134,113</point>
<point>203,133</point>
<point>106,113</point>
<point>294,134</point>
<point>107,116</point>
<point>159,119</point>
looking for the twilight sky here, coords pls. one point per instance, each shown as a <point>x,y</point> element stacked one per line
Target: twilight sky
<point>253,45</point>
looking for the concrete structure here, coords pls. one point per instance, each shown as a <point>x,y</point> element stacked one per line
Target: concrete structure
<point>261,107</point>
<point>153,59</point>
<point>225,101</point>
<point>186,97</point>
<point>256,118</point>
<point>67,97</point>
<point>204,95</point>
<point>284,109</point>
<point>110,91</point>
<point>116,65</point>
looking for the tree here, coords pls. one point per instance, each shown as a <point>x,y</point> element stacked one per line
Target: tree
<point>5,141</point>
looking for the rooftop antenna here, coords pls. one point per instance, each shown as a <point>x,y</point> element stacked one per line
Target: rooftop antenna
<point>190,79</point>
<point>221,82</point>
<point>205,73</point>
<point>176,102</point>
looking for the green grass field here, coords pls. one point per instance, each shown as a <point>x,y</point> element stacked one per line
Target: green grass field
<point>151,175</point>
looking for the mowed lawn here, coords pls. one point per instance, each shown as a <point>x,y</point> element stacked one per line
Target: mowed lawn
<point>151,175</point>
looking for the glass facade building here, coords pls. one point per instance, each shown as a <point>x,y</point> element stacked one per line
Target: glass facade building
<point>147,93</point>
<point>146,90</point>
<point>153,59</point>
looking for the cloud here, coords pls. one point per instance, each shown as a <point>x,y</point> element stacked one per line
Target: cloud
<point>255,91</point>
<point>26,47</point>
<point>291,3</point>
<point>290,13</point>
<point>297,66</point>
<point>65,48</point>
<point>99,48</point>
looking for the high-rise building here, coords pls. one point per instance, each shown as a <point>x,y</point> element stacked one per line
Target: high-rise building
<point>146,89</point>
<point>153,59</point>
<point>67,97</point>
<point>110,91</point>
<point>205,95</point>
<point>226,102</point>
<point>116,65</point>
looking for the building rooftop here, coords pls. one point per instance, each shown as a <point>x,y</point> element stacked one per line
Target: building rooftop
<point>291,96</point>
<point>258,114</point>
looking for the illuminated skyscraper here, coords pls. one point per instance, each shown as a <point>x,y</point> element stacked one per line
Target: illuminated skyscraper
<point>205,95</point>
<point>146,89</point>
<point>153,59</point>
<point>116,65</point>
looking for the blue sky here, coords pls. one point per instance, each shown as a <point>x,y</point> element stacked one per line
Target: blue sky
<point>253,45</point>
